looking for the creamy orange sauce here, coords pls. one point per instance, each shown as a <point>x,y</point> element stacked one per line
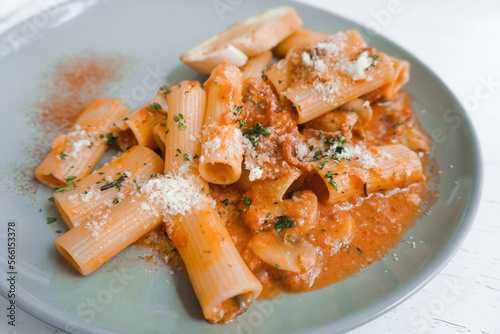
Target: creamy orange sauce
<point>333,241</point>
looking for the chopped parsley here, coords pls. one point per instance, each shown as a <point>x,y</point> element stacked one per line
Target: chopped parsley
<point>374,57</point>
<point>257,128</point>
<point>58,231</point>
<point>116,183</point>
<point>110,139</point>
<point>396,124</point>
<point>115,200</point>
<point>253,132</point>
<point>247,201</point>
<point>155,105</point>
<point>63,155</point>
<point>70,179</point>
<point>186,157</point>
<point>63,189</point>
<point>278,267</point>
<point>283,222</point>
<point>51,199</point>
<point>167,89</point>
<point>179,119</point>
<point>269,215</point>
<point>239,109</point>
<point>318,155</point>
<point>331,181</point>
<point>342,139</point>
<point>225,201</point>
<point>50,220</point>
<point>336,148</point>
<point>241,122</point>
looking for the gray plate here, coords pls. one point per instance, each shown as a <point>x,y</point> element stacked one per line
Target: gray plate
<point>129,295</point>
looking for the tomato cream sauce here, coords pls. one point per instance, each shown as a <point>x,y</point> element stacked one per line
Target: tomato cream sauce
<point>291,239</point>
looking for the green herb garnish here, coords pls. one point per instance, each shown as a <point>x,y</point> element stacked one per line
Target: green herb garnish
<point>329,176</point>
<point>110,139</point>
<point>155,105</point>
<point>116,183</point>
<point>247,201</point>
<point>283,222</point>
<point>70,179</point>
<point>60,190</point>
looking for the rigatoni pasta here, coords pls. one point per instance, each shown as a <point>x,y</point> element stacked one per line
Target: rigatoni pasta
<point>107,186</point>
<point>222,147</point>
<point>76,153</point>
<point>256,65</point>
<point>187,110</point>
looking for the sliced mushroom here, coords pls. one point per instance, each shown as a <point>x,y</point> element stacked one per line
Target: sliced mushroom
<point>360,107</point>
<point>291,254</point>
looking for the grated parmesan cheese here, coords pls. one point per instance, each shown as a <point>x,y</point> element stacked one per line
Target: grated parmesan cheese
<point>255,173</point>
<point>175,193</point>
<point>357,67</point>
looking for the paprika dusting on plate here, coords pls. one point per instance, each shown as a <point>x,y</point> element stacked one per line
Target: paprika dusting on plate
<point>71,85</point>
<point>67,88</point>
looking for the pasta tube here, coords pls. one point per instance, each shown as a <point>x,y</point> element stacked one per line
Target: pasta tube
<point>400,77</point>
<point>186,104</point>
<point>89,245</point>
<point>107,186</point>
<point>380,168</point>
<point>314,99</point>
<point>256,65</point>
<point>224,285</point>
<point>222,144</point>
<point>142,120</point>
<point>300,38</point>
<point>75,154</point>
<point>343,45</point>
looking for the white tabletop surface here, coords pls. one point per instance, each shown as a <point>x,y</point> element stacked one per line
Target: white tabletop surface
<point>460,41</point>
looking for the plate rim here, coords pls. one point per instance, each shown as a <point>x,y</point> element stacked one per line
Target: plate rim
<point>54,317</point>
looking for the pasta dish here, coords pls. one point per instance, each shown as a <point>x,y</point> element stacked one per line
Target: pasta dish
<point>295,164</point>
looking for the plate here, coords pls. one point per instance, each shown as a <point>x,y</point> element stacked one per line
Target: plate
<point>130,295</point>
